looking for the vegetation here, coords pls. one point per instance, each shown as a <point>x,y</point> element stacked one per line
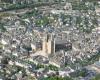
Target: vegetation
<point>7,1</point>
<point>83,24</point>
<point>30,77</point>
<point>50,67</point>
<point>89,61</point>
<point>1,45</point>
<point>4,61</point>
<point>15,6</point>
<point>82,73</point>
<point>26,5</point>
<point>5,15</point>
<point>2,29</point>
<point>39,66</point>
<point>79,73</point>
<point>82,6</point>
<point>42,21</point>
<point>29,14</point>
<point>57,78</point>
<point>14,69</point>
<point>97,77</point>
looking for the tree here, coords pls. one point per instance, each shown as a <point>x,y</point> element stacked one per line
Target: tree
<point>57,78</point>
<point>97,77</point>
<point>4,60</point>
<point>7,1</point>
<point>2,28</point>
<point>23,72</point>
<point>30,77</point>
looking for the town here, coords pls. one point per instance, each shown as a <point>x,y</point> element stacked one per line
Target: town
<point>49,40</point>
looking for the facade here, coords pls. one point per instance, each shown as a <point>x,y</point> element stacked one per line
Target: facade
<point>48,45</point>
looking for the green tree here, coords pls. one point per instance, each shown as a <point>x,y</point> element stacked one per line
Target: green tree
<point>57,78</point>
<point>2,28</point>
<point>97,77</point>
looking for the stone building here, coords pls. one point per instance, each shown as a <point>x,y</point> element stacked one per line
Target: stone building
<point>48,45</point>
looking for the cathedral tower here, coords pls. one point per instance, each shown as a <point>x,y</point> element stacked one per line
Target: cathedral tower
<point>48,45</point>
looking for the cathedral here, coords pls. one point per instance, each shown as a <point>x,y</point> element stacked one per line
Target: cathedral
<point>48,45</point>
